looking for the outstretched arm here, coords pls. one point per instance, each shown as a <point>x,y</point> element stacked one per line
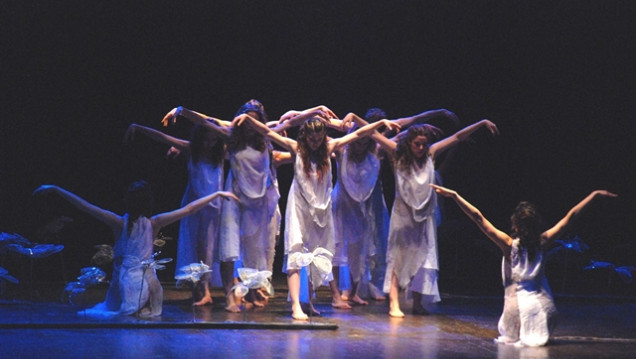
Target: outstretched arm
<point>426,117</point>
<point>114,221</point>
<point>500,238</point>
<point>245,119</point>
<point>439,147</point>
<point>555,232</point>
<point>215,124</point>
<point>153,134</point>
<point>164,219</point>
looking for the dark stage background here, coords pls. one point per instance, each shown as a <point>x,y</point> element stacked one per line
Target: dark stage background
<point>556,77</point>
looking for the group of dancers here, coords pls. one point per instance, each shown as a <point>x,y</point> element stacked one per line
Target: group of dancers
<point>234,217</point>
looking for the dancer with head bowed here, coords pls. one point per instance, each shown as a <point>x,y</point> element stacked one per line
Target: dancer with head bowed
<point>134,286</point>
<point>309,232</point>
<point>412,246</point>
<point>248,228</point>
<point>199,233</point>
<point>529,311</point>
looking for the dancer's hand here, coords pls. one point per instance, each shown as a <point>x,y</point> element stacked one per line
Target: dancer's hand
<point>171,117</point>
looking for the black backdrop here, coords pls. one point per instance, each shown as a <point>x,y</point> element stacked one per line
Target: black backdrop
<point>557,78</point>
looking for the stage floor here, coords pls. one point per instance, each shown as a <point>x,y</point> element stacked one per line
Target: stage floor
<point>458,327</point>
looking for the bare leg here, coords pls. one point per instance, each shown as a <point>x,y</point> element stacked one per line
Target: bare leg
<point>355,298</point>
<point>293,285</point>
<point>227,276</point>
<point>394,299</point>
<point>336,300</point>
<point>207,295</point>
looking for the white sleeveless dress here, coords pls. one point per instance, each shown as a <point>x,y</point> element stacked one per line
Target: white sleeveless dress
<point>412,245</point>
<point>132,286</point>
<point>529,311</point>
<point>308,217</point>
<point>199,232</point>
<point>246,226</point>
<point>354,213</point>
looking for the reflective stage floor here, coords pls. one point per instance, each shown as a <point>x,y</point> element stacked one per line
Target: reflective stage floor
<point>458,327</point>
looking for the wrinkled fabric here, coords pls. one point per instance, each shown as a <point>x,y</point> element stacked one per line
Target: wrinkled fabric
<point>360,218</point>
<point>132,286</point>
<point>199,232</point>
<point>412,245</point>
<point>529,311</point>
<point>246,226</point>
<point>308,218</point>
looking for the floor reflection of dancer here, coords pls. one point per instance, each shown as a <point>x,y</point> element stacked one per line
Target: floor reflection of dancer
<point>528,315</point>
<point>309,220</point>
<point>248,228</point>
<point>412,246</point>
<point>360,213</point>
<point>133,288</point>
<point>198,233</point>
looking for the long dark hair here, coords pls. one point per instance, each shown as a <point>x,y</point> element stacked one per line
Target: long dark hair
<point>139,201</point>
<point>527,225</point>
<point>200,152</point>
<point>405,157</point>
<point>245,135</point>
<point>313,125</point>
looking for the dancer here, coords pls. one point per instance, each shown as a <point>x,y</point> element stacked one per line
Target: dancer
<point>528,314</point>
<point>309,220</point>
<point>198,233</point>
<point>248,228</point>
<point>360,213</point>
<point>412,246</point>
<point>134,286</point>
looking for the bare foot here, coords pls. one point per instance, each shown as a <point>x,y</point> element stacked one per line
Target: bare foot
<point>395,312</point>
<point>345,295</point>
<point>359,301</point>
<point>376,293</point>
<point>340,304</point>
<point>203,301</point>
<point>298,314</point>
<point>232,303</point>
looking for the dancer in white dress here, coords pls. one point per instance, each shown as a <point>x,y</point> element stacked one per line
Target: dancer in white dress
<point>412,247</point>
<point>360,213</point>
<point>309,220</point>
<point>134,287</point>
<point>528,314</point>
<point>199,233</point>
<point>248,229</point>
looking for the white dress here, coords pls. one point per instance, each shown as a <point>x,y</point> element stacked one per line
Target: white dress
<point>529,311</point>
<point>133,286</point>
<point>199,232</point>
<point>412,245</point>
<point>246,226</point>
<point>355,210</point>
<point>308,216</point>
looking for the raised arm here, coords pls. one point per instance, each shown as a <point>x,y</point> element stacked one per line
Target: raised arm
<point>215,124</point>
<point>439,147</point>
<point>295,118</point>
<point>111,219</point>
<point>164,219</point>
<point>245,119</point>
<point>153,134</point>
<point>426,117</point>
<point>558,229</point>
<point>500,238</point>
<point>364,131</point>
